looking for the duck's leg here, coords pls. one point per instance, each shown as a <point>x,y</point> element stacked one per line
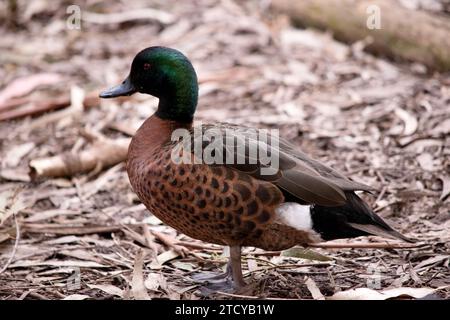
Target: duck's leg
<point>236,267</point>
<point>231,280</point>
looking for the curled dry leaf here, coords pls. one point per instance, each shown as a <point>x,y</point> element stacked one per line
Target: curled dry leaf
<point>445,187</point>
<point>410,122</point>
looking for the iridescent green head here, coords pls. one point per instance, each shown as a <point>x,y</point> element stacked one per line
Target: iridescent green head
<point>164,73</point>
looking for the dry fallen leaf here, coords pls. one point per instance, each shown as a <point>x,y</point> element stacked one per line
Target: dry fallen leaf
<point>183,265</point>
<point>163,258</point>
<point>252,265</point>
<point>16,153</point>
<point>12,203</point>
<point>303,253</point>
<point>4,237</point>
<point>108,288</point>
<point>427,162</point>
<point>138,290</point>
<point>315,291</point>
<point>155,281</point>
<point>370,294</point>
<point>15,175</point>
<point>77,297</point>
<point>432,260</point>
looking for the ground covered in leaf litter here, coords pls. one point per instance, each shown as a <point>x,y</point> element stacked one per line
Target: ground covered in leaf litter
<point>87,236</point>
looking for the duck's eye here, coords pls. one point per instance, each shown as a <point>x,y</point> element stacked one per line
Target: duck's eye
<point>147,66</point>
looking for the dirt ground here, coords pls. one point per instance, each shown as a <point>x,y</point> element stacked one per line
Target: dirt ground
<point>87,236</point>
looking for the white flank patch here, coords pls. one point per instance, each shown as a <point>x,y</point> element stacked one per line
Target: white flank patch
<point>294,215</point>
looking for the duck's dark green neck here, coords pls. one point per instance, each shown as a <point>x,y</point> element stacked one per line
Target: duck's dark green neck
<point>179,101</point>
<point>178,93</point>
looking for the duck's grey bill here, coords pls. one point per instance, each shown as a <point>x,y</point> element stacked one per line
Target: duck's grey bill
<point>126,88</point>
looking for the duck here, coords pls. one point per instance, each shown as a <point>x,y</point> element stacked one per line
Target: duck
<point>251,202</point>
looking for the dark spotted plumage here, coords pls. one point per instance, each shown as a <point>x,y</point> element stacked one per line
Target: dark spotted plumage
<point>234,204</point>
<point>228,207</point>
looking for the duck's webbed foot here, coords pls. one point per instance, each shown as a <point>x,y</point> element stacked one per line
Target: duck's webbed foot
<point>230,281</point>
<point>212,281</point>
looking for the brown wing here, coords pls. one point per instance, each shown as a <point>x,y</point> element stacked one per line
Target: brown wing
<point>303,178</point>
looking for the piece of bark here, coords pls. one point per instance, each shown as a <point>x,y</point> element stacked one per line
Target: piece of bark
<point>104,152</point>
<point>411,35</point>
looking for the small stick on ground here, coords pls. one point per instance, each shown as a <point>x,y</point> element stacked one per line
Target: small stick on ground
<point>171,243</point>
<point>196,246</point>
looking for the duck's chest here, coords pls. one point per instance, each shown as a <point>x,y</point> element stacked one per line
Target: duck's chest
<point>152,179</point>
<point>174,194</point>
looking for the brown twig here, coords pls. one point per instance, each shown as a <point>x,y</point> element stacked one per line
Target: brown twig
<point>171,243</point>
<point>194,245</point>
<point>34,228</point>
<point>41,107</point>
<point>284,266</point>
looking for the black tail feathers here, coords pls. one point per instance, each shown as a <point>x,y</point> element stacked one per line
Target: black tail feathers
<point>351,220</point>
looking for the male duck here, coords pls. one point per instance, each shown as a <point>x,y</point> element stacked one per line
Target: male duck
<point>235,205</point>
